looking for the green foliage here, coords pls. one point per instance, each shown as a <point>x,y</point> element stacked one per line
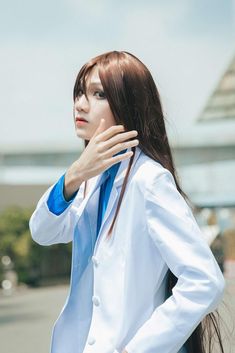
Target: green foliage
<point>32,262</point>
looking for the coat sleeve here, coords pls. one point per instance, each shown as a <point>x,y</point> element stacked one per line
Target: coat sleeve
<point>200,285</point>
<point>47,228</point>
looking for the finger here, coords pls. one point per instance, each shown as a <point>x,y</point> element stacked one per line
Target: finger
<point>121,137</point>
<point>100,128</point>
<point>105,135</point>
<point>120,147</point>
<point>113,160</point>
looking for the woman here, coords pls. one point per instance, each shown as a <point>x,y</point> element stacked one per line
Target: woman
<point>129,256</point>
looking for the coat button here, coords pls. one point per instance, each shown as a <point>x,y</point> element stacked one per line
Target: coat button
<point>91,340</point>
<point>95,261</point>
<point>96,300</point>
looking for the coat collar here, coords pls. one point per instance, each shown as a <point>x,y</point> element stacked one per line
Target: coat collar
<point>118,181</point>
<point>92,198</point>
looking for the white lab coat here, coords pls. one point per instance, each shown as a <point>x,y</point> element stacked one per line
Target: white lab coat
<point>117,290</point>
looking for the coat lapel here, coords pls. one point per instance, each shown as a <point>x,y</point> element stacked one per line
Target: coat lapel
<point>114,195</point>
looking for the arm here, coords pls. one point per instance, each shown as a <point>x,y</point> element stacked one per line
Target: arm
<point>54,218</point>
<point>175,233</point>
<point>50,224</point>
<point>56,201</point>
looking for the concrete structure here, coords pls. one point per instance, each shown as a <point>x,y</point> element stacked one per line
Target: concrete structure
<point>206,156</point>
<point>25,175</point>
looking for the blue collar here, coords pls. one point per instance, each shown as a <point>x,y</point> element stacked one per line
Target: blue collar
<point>112,171</point>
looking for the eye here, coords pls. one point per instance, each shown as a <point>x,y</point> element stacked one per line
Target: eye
<point>99,94</point>
<point>80,93</point>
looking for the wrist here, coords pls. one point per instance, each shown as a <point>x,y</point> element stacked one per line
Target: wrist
<point>72,183</point>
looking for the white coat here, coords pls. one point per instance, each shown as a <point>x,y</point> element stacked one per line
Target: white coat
<point>117,290</point>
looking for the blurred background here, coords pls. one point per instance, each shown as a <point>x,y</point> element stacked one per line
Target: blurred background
<point>189,47</point>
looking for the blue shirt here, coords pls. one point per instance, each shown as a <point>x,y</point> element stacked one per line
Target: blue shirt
<point>57,203</point>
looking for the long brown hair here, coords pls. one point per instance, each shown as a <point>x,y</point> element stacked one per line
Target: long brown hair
<point>135,103</point>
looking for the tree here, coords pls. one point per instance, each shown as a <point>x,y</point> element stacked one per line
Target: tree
<point>32,262</point>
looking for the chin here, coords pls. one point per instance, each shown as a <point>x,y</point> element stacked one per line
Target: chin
<point>82,135</point>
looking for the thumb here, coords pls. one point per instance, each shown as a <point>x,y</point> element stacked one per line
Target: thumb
<point>100,128</point>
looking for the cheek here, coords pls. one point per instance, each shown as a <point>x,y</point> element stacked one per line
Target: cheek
<point>109,116</point>
<point>109,120</point>
<point>104,111</point>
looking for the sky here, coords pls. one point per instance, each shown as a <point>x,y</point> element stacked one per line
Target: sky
<point>187,45</point>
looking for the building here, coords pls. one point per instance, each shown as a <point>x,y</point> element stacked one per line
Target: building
<point>204,157</point>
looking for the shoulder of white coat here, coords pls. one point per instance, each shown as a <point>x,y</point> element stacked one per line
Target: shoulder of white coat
<point>148,171</point>
<point>156,184</point>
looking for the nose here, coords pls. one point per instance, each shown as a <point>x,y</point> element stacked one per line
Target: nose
<point>81,104</point>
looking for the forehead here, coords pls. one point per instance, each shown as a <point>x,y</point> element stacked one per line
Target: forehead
<point>92,76</point>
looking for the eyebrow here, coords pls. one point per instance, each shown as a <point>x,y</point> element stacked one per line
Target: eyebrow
<point>95,83</point>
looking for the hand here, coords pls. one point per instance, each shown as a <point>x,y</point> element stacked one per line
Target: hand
<point>98,155</point>
<point>124,351</point>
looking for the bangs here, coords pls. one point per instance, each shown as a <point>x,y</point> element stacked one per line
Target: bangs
<point>80,83</point>
<point>109,71</point>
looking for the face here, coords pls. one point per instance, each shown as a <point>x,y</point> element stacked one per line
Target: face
<point>92,109</point>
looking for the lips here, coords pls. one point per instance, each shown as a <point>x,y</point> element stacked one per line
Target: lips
<point>79,118</point>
